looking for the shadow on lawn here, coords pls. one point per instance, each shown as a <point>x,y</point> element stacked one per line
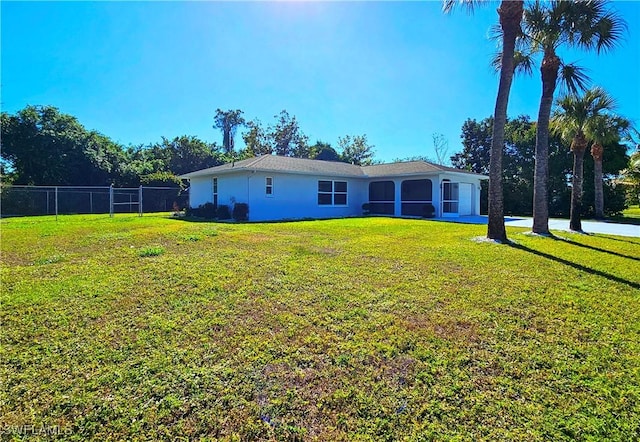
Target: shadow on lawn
<point>611,238</point>
<point>597,249</point>
<point>580,267</point>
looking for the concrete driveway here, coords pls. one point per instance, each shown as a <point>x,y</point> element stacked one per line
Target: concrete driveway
<point>602,227</point>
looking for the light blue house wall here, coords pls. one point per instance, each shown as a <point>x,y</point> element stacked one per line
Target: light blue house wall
<point>274,194</point>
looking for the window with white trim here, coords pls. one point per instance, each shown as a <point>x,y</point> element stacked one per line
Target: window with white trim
<point>268,186</point>
<point>332,193</point>
<point>215,191</point>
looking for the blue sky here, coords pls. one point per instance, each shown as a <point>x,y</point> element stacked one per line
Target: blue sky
<point>396,71</point>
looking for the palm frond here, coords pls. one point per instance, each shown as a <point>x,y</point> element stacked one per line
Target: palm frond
<point>468,5</point>
<point>573,78</point>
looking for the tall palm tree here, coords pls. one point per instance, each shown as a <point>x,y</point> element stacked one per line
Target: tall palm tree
<point>510,14</point>
<point>588,25</point>
<point>577,120</point>
<point>606,129</point>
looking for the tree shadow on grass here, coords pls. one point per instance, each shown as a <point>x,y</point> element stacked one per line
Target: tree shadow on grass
<point>597,249</point>
<point>610,238</point>
<point>576,266</point>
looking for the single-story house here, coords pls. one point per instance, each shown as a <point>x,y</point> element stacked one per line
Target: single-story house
<point>277,187</point>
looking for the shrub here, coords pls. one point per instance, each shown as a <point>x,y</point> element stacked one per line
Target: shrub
<point>429,211</point>
<point>223,212</point>
<point>241,211</point>
<point>207,211</point>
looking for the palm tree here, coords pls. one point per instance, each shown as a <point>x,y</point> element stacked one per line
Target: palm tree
<point>631,175</point>
<point>606,129</point>
<point>576,120</point>
<point>510,14</point>
<point>587,25</point>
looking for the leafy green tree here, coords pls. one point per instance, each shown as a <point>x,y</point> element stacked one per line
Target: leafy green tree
<point>518,161</point>
<point>228,122</point>
<point>586,25</point>
<point>324,151</point>
<point>256,140</point>
<point>286,137</point>
<point>356,150</point>
<point>510,14</point>
<point>177,156</point>
<point>42,146</point>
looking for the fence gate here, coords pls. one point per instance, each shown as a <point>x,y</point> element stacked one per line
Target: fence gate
<point>125,196</point>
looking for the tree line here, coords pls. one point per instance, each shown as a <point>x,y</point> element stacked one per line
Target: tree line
<point>518,167</point>
<point>42,146</point>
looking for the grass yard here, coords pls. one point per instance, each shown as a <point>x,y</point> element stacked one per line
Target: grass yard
<point>359,329</point>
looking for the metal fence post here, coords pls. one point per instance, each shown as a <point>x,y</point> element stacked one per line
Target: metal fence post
<point>111,201</point>
<point>56,203</point>
<point>140,201</point>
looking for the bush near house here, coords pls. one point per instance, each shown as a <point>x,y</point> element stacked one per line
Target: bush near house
<point>223,212</point>
<point>206,211</point>
<point>241,212</point>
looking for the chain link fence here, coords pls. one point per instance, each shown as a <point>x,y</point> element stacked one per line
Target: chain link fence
<point>18,200</point>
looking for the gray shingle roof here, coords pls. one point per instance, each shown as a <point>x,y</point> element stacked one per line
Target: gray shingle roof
<point>275,163</point>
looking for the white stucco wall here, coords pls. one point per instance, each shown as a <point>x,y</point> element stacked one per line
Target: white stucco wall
<point>471,180</point>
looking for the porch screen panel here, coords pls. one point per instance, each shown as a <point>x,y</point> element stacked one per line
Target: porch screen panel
<point>382,197</point>
<point>415,195</point>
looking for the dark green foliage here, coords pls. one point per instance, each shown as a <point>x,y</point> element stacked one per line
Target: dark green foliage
<point>324,151</point>
<point>178,156</point>
<point>206,211</point>
<point>518,166</point>
<point>287,138</point>
<point>42,146</point>
<point>223,212</point>
<point>228,122</point>
<point>429,211</point>
<point>241,211</point>
<point>356,150</point>
<point>162,179</point>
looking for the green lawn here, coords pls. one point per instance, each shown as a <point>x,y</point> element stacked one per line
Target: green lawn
<point>359,329</point>
<point>632,212</point>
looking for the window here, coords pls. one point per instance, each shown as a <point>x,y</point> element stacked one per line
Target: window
<point>215,191</point>
<point>268,188</point>
<point>416,195</point>
<point>332,193</point>
<point>382,195</point>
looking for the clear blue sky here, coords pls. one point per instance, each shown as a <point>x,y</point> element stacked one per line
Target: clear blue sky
<point>398,72</point>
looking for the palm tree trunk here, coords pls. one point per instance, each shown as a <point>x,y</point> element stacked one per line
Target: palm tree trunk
<point>549,70</point>
<point>596,153</point>
<point>576,185</point>
<point>510,13</point>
